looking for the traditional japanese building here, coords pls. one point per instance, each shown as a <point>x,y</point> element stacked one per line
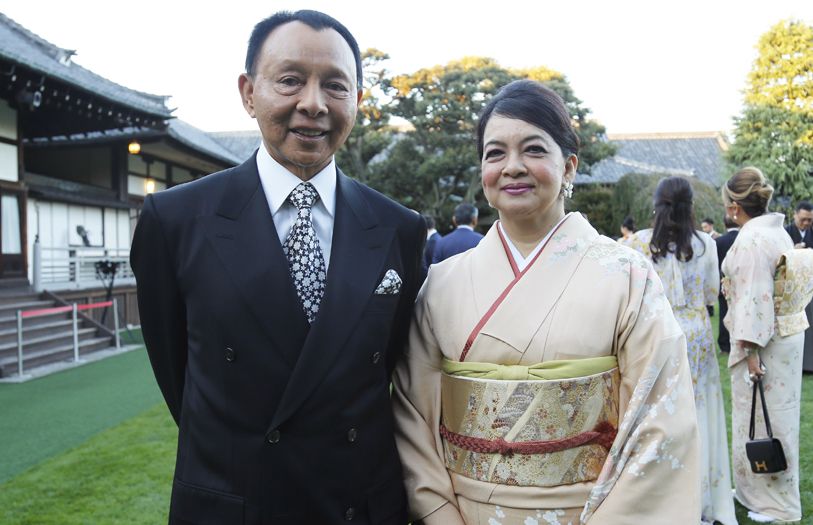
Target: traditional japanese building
<point>78,154</point>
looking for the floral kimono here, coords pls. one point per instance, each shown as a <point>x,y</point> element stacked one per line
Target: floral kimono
<point>766,307</point>
<point>559,394</point>
<point>690,286</point>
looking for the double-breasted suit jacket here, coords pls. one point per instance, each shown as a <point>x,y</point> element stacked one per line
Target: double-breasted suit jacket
<point>279,421</point>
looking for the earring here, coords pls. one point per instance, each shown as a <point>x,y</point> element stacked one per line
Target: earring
<point>567,189</point>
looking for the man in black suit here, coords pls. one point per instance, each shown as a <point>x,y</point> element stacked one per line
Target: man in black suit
<point>275,298</point>
<point>432,237</point>
<point>800,231</point>
<point>463,237</point>
<point>724,243</point>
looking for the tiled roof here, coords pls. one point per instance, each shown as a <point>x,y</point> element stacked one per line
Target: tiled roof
<point>240,143</point>
<point>692,154</point>
<point>199,140</point>
<point>23,47</point>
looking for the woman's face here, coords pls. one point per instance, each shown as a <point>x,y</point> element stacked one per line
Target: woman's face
<point>523,169</point>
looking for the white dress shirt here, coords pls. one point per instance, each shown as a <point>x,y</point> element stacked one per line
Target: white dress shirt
<point>523,262</point>
<point>278,183</point>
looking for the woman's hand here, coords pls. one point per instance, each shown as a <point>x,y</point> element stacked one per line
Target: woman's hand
<point>755,368</point>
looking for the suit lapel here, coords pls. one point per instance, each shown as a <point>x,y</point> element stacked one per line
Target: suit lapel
<point>359,250</point>
<point>243,234</point>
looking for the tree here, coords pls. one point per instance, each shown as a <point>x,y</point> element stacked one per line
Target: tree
<point>775,130</point>
<point>434,166</point>
<point>372,132</point>
<point>782,75</point>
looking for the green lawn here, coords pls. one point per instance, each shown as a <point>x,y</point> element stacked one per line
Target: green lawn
<point>46,416</point>
<point>103,459</point>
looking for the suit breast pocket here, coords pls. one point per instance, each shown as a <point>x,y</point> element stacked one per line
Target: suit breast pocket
<point>381,303</point>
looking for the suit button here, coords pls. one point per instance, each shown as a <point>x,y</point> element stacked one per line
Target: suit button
<point>273,436</point>
<point>349,514</point>
<point>376,358</point>
<point>352,434</point>
<point>229,355</point>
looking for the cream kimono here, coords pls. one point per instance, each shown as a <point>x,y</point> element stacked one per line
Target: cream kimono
<point>532,446</point>
<point>773,319</point>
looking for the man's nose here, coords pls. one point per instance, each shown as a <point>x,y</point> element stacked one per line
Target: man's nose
<point>312,100</point>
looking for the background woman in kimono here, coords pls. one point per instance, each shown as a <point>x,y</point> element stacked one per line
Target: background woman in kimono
<point>749,268</point>
<point>546,379</point>
<point>686,261</point>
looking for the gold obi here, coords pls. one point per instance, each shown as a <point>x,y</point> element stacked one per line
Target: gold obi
<point>532,432</point>
<point>793,290</point>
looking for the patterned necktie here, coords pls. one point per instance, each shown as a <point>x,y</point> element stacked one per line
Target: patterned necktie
<point>304,254</point>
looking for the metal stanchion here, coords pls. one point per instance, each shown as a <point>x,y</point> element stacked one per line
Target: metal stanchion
<point>75,334</point>
<point>116,322</point>
<point>20,343</point>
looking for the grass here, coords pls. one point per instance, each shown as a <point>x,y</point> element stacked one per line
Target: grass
<point>121,470</point>
<point>121,476</point>
<point>46,416</point>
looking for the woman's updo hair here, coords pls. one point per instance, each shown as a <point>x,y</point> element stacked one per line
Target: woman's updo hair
<point>535,104</point>
<point>673,226</point>
<point>748,188</point>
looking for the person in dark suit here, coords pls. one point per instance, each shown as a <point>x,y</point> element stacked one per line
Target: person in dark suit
<point>800,231</point>
<point>432,237</point>
<point>275,298</point>
<point>724,243</point>
<point>462,238</point>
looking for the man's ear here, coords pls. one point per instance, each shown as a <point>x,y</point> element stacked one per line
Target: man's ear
<point>359,97</point>
<point>246,86</point>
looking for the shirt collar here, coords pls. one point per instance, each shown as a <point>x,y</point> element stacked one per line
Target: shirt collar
<point>278,182</point>
<point>466,226</point>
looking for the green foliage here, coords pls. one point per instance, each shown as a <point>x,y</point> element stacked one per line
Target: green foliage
<point>775,130</point>
<point>595,201</point>
<point>780,143</point>
<point>632,196</point>
<point>434,166</point>
<point>371,133</point>
<point>782,75</point>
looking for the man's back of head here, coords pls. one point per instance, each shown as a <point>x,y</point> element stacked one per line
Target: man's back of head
<point>465,214</point>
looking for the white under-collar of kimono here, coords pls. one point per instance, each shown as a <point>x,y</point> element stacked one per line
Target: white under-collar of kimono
<point>522,262</point>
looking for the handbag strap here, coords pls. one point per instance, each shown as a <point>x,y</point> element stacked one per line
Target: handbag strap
<point>758,385</point>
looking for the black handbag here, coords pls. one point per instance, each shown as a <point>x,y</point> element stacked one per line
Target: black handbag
<point>765,455</point>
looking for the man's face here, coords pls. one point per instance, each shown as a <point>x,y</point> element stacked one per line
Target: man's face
<point>304,96</point>
<point>803,219</point>
<point>706,227</point>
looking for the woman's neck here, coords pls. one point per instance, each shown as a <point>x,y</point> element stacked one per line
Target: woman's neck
<point>526,232</point>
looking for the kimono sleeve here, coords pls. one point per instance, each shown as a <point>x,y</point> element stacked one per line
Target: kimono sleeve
<point>711,272</point>
<point>651,474</point>
<point>416,407</point>
<point>750,273</point>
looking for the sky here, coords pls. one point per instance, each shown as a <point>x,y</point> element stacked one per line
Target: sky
<point>640,66</point>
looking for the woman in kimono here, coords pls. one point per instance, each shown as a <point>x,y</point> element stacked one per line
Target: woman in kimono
<point>628,236</point>
<point>546,379</point>
<point>686,262</point>
<point>767,338</point>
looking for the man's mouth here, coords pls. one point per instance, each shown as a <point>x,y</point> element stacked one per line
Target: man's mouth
<point>309,133</point>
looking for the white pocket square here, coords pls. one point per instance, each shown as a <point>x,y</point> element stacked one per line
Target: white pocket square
<point>390,284</point>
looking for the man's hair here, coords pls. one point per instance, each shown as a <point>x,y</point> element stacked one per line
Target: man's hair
<point>314,19</point>
<point>429,220</point>
<point>708,220</point>
<point>804,205</point>
<point>465,213</point>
